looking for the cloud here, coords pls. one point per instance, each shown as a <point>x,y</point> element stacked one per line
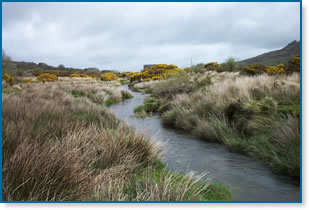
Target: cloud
<point>125,36</point>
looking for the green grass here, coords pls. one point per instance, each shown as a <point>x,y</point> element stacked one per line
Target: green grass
<point>10,90</point>
<point>157,177</point>
<point>124,81</point>
<point>261,122</point>
<point>78,93</point>
<point>149,106</point>
<point>126,95</point>
<point>109,102</point>
<point>294,108</point>
<point>70,149</point>
<point>138,109</point>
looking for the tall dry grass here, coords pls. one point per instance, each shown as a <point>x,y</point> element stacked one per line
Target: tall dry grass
<point>251,115</point>
<point>54,145</point>
<point>59,147</point>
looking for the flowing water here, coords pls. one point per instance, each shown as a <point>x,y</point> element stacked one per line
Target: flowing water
<point>248,179</point>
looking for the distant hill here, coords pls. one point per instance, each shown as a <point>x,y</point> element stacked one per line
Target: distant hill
<point>31,67</point>
<point>275,57</point>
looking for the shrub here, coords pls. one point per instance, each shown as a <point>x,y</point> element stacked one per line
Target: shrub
<point>253,69</point>
<point>94,76</point>
<point>188,69</point>
<point>212,66</point>
<point>84,75</point>
<point>126,75</point>
<point>74,75</point>
<point>27,80</point>
<point>20,73</point>
<point>272,70</point>
<point>198,68</point>
<point>156,72</point>
<point>46,77</point>
<point>230,65</point>
<point>293,65</point>
<point>109,77</point>
<point>156,78</point>
<point>9,79</point>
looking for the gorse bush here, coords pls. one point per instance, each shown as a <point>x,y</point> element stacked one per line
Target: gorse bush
<point>293,65</point>
<point>272,70</point>
<point>212,66</point>
<point>253,69</point>
<point>74,75</point>
<point>9,79</point>
<point>109,77</point>
<point>27,80</point>
<point>157,72</point>
<point>84,75</point>
<point>126,75</point>
<point>188,69</point>
<point>47,77</point>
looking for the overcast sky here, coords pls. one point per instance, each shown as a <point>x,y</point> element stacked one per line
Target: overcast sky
<point>124,36</point>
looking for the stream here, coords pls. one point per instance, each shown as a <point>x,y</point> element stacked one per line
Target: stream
<point>248,179</point>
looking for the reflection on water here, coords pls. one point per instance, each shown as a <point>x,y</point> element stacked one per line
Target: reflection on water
<point>248,179</point>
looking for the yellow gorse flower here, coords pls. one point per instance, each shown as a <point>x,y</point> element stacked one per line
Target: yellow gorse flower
<point>109,77</point>
<point>271,70</point>
<point>74,75</point>
<point>6,77</point>
<point>47,77</point>
<point>157,72</point>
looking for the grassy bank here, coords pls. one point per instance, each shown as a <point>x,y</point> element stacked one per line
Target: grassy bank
<point>254,115</point>
<point>60,142</point>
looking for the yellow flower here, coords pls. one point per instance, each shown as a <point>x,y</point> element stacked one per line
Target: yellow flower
<point>47,77</point>
<point>271,70</point>
<point>109,77</point>
<point>27,80</point>
<point>74,75</point>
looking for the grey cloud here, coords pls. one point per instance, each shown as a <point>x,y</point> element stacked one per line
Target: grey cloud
<point>124,36</point>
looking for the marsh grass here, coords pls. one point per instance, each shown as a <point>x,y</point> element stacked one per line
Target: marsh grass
<point>59,144</point>
<point>258,115</point>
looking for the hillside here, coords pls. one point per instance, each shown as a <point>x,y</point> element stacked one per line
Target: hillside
<point>276,56</point>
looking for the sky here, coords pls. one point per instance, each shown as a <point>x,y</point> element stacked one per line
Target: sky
<point>125,36</point>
